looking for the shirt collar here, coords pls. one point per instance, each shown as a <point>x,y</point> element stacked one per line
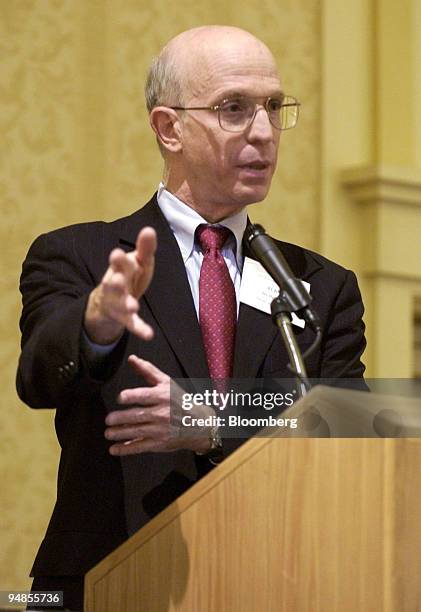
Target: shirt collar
<point>183,221</point>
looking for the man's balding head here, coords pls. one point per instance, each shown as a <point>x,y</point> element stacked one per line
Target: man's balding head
<point>184,66</point>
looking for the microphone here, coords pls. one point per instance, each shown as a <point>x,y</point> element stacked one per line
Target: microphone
<point>268,254</point>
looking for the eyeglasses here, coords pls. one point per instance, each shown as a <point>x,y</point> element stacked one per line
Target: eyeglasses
<point>237,114</point>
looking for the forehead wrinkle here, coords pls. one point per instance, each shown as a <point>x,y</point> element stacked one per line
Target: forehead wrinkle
<point>238,85</point>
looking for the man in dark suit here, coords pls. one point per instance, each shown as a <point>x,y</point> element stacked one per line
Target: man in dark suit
<point>105,363</point>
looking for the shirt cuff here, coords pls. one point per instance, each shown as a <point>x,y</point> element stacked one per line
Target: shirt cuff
<point>95,353</point>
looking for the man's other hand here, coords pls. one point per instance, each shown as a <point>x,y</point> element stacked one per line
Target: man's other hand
<point>151,424</point>
<point>113,306</point>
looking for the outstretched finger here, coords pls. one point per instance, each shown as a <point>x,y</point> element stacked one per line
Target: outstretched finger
<point>146,244</point>
<point>148,370</point>
<point>130,416</point>
<point>114,284</point>
<point>138,327</point>
<point>120,262</point>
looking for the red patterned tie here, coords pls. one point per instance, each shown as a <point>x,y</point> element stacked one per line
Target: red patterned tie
<point>217,302</point>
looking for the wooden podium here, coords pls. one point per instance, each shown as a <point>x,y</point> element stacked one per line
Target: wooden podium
<point>285,524</point>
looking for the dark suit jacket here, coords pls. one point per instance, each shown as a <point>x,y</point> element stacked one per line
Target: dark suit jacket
<point>102,499</point>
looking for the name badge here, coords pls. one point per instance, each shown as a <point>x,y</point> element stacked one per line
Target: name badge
<point>258,289</point>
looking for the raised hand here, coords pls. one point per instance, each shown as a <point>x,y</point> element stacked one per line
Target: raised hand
<point>113,306</point>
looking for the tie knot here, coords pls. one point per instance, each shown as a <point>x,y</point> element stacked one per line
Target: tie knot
<point>211,237</point>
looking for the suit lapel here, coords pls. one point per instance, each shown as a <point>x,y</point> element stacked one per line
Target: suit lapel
<point>255,334</point>
<point>255,330</point>
<point>169,296</point>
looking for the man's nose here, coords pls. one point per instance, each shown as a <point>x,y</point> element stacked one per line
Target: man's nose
<point>261,128</point>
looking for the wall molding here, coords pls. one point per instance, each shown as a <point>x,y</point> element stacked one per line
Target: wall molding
<point>399,185</point>
<point>412,279</point>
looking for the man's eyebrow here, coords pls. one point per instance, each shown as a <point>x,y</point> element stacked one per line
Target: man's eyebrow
<point>235,93</point>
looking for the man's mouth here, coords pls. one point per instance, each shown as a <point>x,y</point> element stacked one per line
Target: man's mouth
<point>255,169</point>
<point>256,165</point>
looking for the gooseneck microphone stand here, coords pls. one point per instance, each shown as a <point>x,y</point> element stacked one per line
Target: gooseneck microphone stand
<point>293,298</point>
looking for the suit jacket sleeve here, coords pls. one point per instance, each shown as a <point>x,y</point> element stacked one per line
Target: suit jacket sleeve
<point>55,286</point>
<point>344,342</point>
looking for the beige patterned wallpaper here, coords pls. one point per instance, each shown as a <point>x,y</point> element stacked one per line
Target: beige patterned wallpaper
<point>76,145</point>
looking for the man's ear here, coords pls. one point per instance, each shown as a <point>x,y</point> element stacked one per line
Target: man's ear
<point>166,124</point>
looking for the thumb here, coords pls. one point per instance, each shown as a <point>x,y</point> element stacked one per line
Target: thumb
<point>148,370</point>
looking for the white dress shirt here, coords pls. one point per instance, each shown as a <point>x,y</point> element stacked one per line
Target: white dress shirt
<point>184,221</point>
